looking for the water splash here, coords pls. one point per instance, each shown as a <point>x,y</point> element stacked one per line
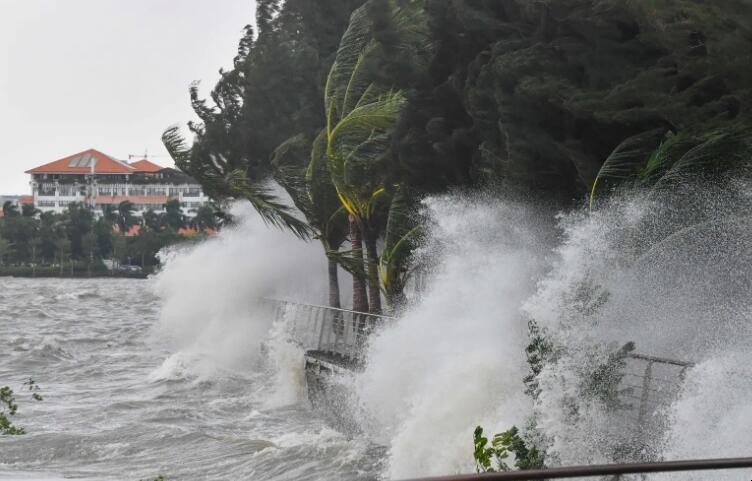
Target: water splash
<point>455,359</point>
<point>211,291</point>
<point>669,272</point>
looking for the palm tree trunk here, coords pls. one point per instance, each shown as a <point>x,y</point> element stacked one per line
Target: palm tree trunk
<point>372,256</point>
<point>333,284</point>
<point>360,297</point>
<point>396,298</point>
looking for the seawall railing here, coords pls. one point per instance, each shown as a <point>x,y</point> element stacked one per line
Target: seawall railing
<point>647,386</point>
<point>340,335</point>
<point>648,382</point>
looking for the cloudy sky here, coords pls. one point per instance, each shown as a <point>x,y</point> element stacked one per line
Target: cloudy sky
<point>104,74</point>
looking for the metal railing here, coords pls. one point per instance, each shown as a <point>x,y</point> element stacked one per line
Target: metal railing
<point>647,388</point>
<point>341,333</point>
<point>604,470</point>
<point>648,384</point>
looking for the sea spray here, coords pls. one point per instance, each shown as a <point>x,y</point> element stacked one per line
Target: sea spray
<point>456,358</point>
<point>669,272</point>
<point>713,415</point>
<point>666,272</point>
<point>211,291</point>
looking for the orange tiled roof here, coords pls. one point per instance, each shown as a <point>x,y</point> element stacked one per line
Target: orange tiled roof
<point>80,163</point>
<point>26,199</point>
<point>145,165</point>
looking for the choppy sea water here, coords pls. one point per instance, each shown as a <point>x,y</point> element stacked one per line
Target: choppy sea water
<point>108,414</point>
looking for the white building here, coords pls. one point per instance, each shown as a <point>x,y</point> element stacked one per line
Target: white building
<point>96,179</point>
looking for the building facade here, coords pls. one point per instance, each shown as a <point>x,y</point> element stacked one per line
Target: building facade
<point>98,180</point>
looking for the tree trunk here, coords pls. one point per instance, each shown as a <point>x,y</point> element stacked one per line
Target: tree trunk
<point>372,256</point>
<point>396,298</point>
<point>360,297</point>
<point>333,284</point>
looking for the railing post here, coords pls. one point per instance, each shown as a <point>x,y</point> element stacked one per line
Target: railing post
<point>645,392</point>
<point>322,326</point>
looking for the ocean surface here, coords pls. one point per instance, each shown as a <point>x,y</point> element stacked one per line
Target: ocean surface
<point>118,404</point>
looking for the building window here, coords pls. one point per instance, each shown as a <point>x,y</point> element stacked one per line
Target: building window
<point>46,203</point>
<point>47,189</point>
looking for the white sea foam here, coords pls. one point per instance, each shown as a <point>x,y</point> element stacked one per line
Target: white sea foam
<point>210,292</point>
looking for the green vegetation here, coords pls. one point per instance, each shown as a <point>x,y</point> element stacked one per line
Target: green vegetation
<point>76,243</point>
<point>492,457</point>
<point>8,407</point>
<point>358,109</point>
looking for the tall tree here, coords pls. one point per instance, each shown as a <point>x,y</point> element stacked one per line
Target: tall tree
<point>174,217</point>
<point>362,112</point>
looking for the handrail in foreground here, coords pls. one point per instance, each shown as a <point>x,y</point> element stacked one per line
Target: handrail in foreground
<point>602,470</point>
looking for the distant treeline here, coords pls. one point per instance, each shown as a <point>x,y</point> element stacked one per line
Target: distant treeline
<point>77,243</point>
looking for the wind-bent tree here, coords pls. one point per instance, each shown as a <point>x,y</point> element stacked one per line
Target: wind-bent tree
<point>272,94</point>
<point>404,232</point>
<point>303,174</point>
<point>655,159</point>
<point>361,113</point>
<point>224,178</point>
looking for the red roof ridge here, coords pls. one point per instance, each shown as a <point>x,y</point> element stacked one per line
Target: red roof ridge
<point>145,165</point>
<point>104,164</point>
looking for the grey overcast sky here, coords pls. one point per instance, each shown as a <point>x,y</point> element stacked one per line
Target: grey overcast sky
<point>104,74</point>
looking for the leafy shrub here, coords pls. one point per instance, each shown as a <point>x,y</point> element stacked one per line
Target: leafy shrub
<point>8,407</point>
<point>492,457</point>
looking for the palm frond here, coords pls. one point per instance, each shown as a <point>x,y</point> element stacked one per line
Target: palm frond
<point>271,210</point>
<point>352,45</point>
<point>218,177</point>
<point>177,147</point>
<point>401,238</point>
<point>349,263</point>
<point>723,150</point>
<point>626,160</point>
<point>380,114</point>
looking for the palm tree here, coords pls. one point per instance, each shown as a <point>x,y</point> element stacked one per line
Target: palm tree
<point>403,234</point>
<point>125,218</point>
<point>306,179</point>
<point>657,159</point>
<point>360,115</point>
<point>230,178</point>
